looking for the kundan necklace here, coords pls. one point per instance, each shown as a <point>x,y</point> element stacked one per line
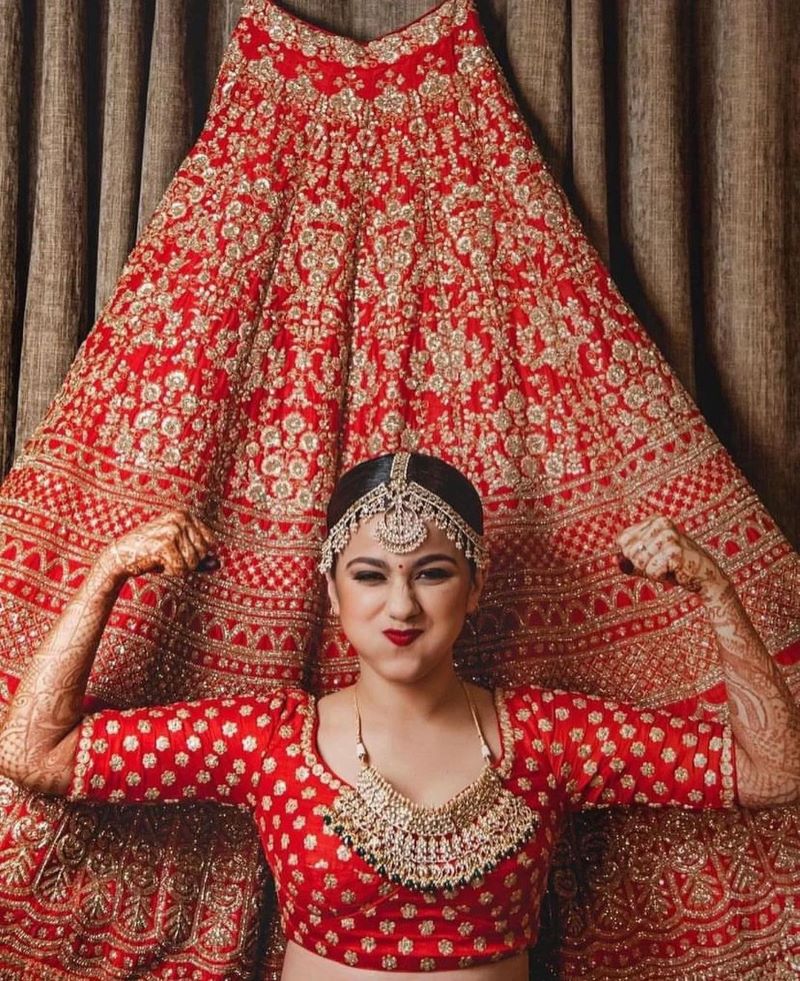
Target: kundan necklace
<point>430,848</point>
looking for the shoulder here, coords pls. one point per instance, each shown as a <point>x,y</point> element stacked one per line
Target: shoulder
<point>543,709</point>
<point>266,710</point>
<point>548,710</point>
<point>521,700</point>
<point>282,701</point>
<point>491,716</point>
<point>336,701</point>
<point>560,699</point>
<point>335,717</point>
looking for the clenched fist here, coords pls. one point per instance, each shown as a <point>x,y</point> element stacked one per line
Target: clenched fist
<point>176,543</point>
<point>657,549</point>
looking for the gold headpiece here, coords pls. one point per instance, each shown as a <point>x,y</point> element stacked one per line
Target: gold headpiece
<point>404,506</point>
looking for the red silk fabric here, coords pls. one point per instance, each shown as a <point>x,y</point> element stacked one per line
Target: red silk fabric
<point>364,252</point>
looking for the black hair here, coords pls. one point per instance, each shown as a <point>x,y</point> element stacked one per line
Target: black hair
<point>432,473</point>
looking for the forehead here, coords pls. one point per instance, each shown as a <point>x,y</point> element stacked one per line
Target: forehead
<point>363,542</point>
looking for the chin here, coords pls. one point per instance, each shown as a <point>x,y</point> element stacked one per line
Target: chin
<point>404,667</point>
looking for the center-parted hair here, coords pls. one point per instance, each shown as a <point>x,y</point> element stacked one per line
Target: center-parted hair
<point>434,474</point>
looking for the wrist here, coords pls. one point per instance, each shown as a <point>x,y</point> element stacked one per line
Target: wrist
<point>714,586</point>
<point>105,575</point>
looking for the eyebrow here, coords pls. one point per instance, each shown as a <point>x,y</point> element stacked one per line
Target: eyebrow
<point>423,560</point>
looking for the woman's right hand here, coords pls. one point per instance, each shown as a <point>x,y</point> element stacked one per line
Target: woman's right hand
<point>174,543</point>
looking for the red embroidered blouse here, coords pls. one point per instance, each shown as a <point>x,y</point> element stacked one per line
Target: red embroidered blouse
<point>560,751</point>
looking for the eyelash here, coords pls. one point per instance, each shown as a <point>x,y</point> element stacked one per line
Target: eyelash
<point>433,574</point>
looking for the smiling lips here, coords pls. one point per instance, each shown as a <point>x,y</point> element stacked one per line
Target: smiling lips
<point>402,638</point>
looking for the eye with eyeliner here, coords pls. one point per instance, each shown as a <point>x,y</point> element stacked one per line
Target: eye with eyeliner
<point>365,575</point>
<point>434,574</point>
<point>429,573</point>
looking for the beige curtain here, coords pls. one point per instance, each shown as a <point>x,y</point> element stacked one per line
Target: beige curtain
<point>672,124</point>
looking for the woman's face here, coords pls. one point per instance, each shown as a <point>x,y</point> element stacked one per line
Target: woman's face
<point>403,613</point>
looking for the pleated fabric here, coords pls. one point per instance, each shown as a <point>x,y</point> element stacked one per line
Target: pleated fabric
<point>364,252</point>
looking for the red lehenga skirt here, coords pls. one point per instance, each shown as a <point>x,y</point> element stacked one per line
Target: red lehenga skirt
<point>364,252</point>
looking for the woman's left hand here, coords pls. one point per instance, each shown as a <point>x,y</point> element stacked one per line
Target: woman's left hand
<point>657,549</point>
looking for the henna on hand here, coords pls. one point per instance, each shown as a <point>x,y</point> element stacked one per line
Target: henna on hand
<point>656,549</point>
<point>765,719</point>
<point>40,729</point>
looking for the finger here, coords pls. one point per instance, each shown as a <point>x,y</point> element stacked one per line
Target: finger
<point>183,522</point>
<point>629,535</point>
<point>658,568</point>
<point>659,538</point>
<point>205,543</point>
<point>629,568</point>
<point>657,528</point>
<point>198,541</point>
<point>626,566</point>
<point>664,538</point>
<point>629,542</point>
<point>639,555</point>
<point>673,558</point>
<point>188,552</point>
<point>176,518</point>
<point>173,562</point>
<point>671,562</point>
<point>653,548</point>
<point>201,535</point>
<point>641,530</point>
<point>628,551</point>
<point>208,533</point>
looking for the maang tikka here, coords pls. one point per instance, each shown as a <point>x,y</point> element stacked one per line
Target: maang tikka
<point>404,507</point>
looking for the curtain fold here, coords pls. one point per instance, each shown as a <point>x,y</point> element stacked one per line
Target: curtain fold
<point>656,223</point>
<point>122,109</point>
<point>11,185</point>
<point>55,302</point>
<point>742,108</point>
<point>588,122</point>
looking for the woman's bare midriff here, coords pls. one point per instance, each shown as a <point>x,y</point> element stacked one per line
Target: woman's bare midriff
<point>303,965</point>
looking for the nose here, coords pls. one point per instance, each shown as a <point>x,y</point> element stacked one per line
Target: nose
<point>402,603</point>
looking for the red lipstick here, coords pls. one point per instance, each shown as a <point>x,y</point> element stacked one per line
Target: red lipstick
<point>402,637</point>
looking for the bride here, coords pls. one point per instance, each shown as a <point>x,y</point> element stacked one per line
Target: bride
<point>408,819</point>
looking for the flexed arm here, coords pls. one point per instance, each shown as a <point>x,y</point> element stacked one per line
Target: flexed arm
<point>765,719</point>
<point>40,728</point>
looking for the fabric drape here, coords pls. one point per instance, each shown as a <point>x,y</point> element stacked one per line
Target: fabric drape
<point>673,127</point>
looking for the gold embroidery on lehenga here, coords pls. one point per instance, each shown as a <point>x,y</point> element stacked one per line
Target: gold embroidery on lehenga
<point>288,30</point>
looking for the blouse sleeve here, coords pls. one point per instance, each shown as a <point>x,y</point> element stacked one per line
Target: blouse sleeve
<point>605,753</point>
<point>203,750</point>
